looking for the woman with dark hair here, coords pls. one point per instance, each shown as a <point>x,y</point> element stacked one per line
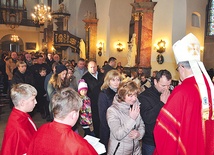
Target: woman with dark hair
<point>56,82</point>
<point>71,79</point>
<point>124,120</point>
<point>3,75</point>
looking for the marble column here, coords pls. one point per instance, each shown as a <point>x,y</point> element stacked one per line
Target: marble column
<point>91,37</point>
<point>143,15</point>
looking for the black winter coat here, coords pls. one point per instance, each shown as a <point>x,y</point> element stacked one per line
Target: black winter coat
<point>149,109</point>
<point>105,99</point>
<point>27,78</point>
<point>107,68</point>
<point>93,93</point>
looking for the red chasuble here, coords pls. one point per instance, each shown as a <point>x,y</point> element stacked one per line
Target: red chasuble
<point>18,133</point>
<point>59,139</point>
<point>180,129</point>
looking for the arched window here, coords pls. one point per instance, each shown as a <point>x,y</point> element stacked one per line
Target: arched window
<point>196,19</point>
<point>210,18</point>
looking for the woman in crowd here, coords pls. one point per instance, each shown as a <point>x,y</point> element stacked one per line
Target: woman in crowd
<point>125,123</point>
<point>56,82</point>
<point>108,91</point>
<point>134,77</point>
<point>71,79</point>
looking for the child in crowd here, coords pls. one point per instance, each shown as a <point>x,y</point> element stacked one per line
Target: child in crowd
<point>85,112</point>
<point>20,127</point>
<point>41,97</point>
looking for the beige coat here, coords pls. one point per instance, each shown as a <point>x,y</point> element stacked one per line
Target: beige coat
<point>10,66</point>
<point>121,124</point>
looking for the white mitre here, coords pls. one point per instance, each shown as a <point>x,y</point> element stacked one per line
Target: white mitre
<point>188,49</point>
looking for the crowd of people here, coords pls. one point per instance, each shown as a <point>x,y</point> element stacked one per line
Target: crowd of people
<point>130,114</point>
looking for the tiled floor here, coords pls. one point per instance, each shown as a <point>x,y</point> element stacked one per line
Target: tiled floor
<point>5,112</point>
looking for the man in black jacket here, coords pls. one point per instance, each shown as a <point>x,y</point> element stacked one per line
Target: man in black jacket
<point>152,100</point>
<point>111,65</point>
<point>22,75</point>
<point>94,80</point>
<point>38,65</point>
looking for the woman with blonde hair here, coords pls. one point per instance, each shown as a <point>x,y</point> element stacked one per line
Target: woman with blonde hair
<point>108,91</point>
<point>124,120</point>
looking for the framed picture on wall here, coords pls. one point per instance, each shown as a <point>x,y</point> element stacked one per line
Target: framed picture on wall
<point>30,46</point>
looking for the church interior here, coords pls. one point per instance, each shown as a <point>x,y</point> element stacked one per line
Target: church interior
<point>138,33</point>
<point>99,29</point>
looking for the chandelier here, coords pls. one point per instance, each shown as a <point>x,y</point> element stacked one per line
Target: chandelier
<point>41,13</point>
<point>14,38</point>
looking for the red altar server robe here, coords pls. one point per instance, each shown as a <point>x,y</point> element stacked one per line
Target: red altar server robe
<point>179,128</point>
<point>18,133</point>
<point>59,139</point>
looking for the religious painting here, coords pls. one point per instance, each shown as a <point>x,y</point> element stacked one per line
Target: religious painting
<point>30,46</point>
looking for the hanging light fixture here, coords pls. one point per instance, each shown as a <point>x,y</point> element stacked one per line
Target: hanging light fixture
<point>41,13</point>
<point>14,38</point>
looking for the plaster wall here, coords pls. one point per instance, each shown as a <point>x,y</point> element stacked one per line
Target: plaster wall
<point>162,29</point>
<point>113,27</point>
<point>27,34</point>
<point>174,23</point>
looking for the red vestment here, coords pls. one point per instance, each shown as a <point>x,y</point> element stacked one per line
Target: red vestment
<point>59,139</point>
<point>179,128</point>
<point>18,133</point>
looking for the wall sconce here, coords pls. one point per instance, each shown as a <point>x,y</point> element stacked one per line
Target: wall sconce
<point>119,47</point>
<point>202,49</point>
<point>100,48</point>
<point>161,46</point>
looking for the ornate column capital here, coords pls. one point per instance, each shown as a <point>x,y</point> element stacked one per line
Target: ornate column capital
<point>90,22</point>
<point>87,27</point>
<point>137,15</point>
<point>144,6</point>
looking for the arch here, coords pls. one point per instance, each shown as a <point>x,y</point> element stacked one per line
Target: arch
<point>119,23</point>
<point>85,7</point>
<point>7,45</point>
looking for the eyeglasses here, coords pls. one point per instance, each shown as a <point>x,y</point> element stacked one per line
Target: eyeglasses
<point>178,67</point>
